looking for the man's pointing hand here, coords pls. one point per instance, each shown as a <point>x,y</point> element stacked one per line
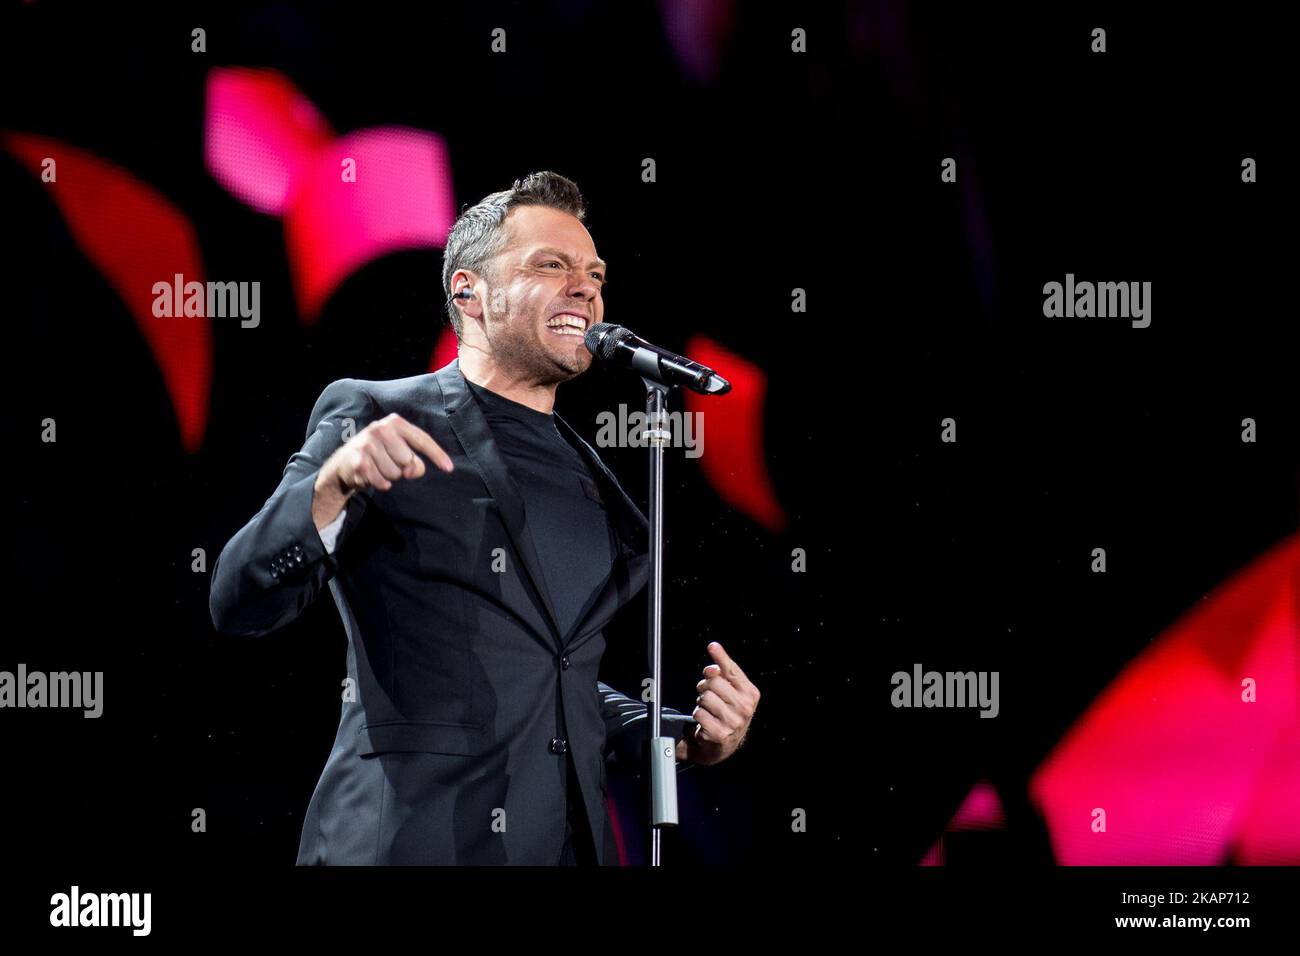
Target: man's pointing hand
<point>383,452</point>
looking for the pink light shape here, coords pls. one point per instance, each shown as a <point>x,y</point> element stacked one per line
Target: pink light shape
<point>135,237</point>
<point>733,461</point>
<point>1270,835</point>
<point>402,199</point>
<point>261,130</point>
<point>267,144</point>
<point>981,810</point>
<point>1183,767</point>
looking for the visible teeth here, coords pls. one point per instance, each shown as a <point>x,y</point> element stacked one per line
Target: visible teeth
<point>562,323</point>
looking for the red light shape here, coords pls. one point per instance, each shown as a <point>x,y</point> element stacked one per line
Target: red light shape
<point>612,807</point>
<point>733,461</point>
<point>135,237</point>
<point>1183,767</point>
<point>446,350</point>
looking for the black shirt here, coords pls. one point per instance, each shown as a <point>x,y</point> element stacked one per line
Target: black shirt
<point>574,538</point>
<point>572,534</point>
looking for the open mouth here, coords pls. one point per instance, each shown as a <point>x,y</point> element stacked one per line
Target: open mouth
<point>567,324</point>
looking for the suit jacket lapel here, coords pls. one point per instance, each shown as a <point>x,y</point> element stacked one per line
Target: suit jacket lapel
<point>630,526</point>
<point>471,428</point>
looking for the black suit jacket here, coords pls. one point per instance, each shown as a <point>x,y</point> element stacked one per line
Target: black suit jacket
<point>467,698</point>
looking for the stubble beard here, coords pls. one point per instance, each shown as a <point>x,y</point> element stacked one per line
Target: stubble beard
<point>519,350</point>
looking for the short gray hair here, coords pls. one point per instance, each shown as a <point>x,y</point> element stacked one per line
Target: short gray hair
<point>477,235</point>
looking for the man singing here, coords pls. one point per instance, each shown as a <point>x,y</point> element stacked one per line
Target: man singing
<point>473,728</point>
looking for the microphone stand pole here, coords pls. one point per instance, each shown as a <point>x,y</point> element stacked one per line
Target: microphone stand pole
<point>663,750</point>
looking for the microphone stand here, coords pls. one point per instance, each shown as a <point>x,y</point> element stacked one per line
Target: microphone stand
<point>663,750</point>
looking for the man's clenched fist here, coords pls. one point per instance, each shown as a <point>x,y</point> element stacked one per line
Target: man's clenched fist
<point>383,452</point>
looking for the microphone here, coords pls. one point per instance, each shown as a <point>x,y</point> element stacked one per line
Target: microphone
<point>616,344</point>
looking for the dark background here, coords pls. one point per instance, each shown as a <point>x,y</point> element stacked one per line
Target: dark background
<point>818,171</point>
